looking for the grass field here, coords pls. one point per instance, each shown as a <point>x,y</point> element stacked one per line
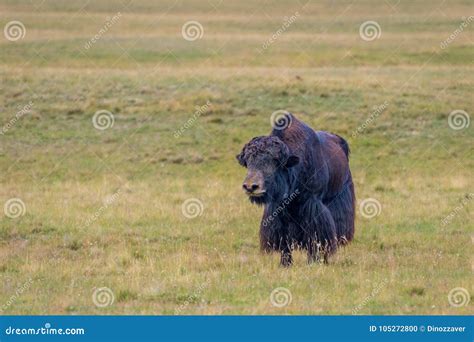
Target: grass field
<point>104,208</point>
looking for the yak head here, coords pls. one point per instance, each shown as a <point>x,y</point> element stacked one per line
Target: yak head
<point>269,162</point>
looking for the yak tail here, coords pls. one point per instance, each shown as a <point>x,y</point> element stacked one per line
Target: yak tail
<point>344,145</point>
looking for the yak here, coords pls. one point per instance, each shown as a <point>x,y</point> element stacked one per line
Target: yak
<point>302,178</point>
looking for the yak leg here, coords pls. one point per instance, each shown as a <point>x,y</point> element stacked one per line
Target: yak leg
<point>314,252</point>
<point>342,209</point>
<point>320,231</point>
<point>274,237</point>
<point>286,258</point>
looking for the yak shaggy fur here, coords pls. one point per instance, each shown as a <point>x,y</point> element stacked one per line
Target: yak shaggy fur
<point>305,185</point>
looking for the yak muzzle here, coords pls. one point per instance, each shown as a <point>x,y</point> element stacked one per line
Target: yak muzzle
<point>253,186</point>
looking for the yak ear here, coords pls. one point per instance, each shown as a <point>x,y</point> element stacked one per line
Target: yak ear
<point>241,159</point>
<point>292,161</point>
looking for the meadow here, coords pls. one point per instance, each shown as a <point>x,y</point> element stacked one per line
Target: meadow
<point>91,208</point>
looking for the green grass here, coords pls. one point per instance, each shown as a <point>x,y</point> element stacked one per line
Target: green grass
<point>73,240</point>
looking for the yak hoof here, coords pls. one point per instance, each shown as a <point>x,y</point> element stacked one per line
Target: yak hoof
<point>286,260</point>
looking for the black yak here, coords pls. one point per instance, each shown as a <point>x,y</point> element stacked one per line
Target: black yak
<point>303,180</point>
